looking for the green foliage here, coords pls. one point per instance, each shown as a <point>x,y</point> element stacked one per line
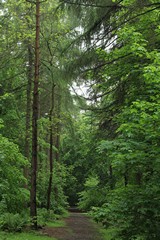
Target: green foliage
<point>45,216</point>
<point>58,199</point>
<point>12,194</point>
<point>100,214</point>
<point>78,153</point>
<point>135,154</point>
<point>58,223</point>
<point>24,235</point>
<point>92,194</point>
<point>131,210</point>
<point>70,188</point>
<point>12,222</point>
<point>1,123</point>
<point>110,234</point>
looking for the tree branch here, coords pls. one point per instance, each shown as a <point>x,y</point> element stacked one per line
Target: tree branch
<point>106,63</point>
<point>92,5</point>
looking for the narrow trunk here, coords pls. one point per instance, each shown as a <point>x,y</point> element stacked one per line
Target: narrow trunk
<point>51,151</point>
<point>126,177</point>
<point>139,177</point>
<point>58,128</point>
<point>28,109</point>
<point>125,180</point>
<point>111,177</point>
<point>33,207</point>
<point>57,141</point>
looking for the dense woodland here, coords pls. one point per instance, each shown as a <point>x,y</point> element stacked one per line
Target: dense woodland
<point>80,113</point>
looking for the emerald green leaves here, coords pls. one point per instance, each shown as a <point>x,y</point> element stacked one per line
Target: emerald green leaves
<point>12,194</point>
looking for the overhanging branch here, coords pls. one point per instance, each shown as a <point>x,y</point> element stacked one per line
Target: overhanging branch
<point>92,5</point>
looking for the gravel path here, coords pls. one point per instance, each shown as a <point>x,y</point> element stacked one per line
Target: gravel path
<point>78,227</point>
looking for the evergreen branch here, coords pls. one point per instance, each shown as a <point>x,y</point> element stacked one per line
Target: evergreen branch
<point>106,63</point>
<point>16,75</point>
<point>104,17</point>
<point>80,38</point>
<point>91,5</point>
<point>98,109</point>
<point>130,19</point>
<point>95,97</point>
<point>140,14</point>
<point>51,65</point>
<point>17,88</point>
<point>34,2</point>
<point>125,21</point>
<point>30,1</point>
<point>152,4</point>
<point>105,93</point>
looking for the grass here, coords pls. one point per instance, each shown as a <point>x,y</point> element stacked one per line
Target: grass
<point>57,223</point>
<point>108,234</point>
<point>24,236</point>
<point>31,235</point>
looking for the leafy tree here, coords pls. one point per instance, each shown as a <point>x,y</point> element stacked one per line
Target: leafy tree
<point>12,193</point>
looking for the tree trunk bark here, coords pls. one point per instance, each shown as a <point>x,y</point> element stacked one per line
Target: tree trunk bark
<point>28,109</point>
<point>126,177</point>
<point>139,177</point>
<point>51,150</point>
<point>57,141</point>
<point>33,206</point>
<point>111,177</point>
<point>58,128</point>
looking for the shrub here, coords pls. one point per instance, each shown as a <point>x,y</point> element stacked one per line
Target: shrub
<point>45,216</point>
<point>12,222</point>
<point>133,211</point>
<point>92,195</point>
<point>100,214</point>
<point>12,192</point>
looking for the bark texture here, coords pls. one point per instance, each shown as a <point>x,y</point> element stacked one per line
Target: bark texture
<point>51,150</point>
<point>33,207</point>
<point>28,109</point>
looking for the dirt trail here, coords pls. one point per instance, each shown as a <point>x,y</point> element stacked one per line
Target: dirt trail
<point>78,227</point>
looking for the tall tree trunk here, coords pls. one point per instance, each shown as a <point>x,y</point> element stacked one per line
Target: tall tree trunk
<point>111,181</point>
<point>57,141</point>
<point>33,207</point>
<point>28,109</point>
<point>139,176</point>
<point>126,176</point>
<point>51,150</point>
<point>58,128</point>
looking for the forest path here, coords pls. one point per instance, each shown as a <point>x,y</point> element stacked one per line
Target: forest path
<point>78,227</point>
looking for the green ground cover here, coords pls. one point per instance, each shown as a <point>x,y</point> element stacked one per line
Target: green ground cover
<point>108,234</point>
<point>58,223</point>
<point>23,236</point>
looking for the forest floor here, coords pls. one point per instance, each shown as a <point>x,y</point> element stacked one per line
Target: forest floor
<point>78,226</point>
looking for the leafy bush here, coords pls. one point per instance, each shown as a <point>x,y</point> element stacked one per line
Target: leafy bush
<point>93,195</point>
<point>133,211</point>
<point>100,214</point>
<point>12,194</point>
<point>12,222</point>
<point>45,216</point>
<point>59,210</point>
